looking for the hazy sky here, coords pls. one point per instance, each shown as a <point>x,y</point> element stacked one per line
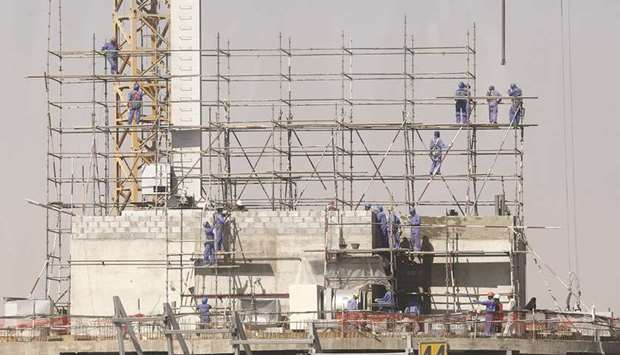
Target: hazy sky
<point>534,60</point>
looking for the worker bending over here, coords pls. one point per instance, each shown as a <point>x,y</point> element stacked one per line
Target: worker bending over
<point>386,302</point>
<point>352,303</point>
<point>204,309</point>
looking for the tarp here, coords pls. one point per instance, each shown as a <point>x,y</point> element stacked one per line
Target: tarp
<point>353,272</point>
<point>259,310</point>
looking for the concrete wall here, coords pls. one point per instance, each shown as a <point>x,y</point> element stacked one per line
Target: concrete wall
<point>298,236</point>
<point>280,248</point>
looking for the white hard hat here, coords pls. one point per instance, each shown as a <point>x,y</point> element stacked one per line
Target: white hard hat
<point>239,203</point>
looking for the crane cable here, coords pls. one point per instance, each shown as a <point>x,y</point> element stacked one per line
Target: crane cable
<point>569,153</point>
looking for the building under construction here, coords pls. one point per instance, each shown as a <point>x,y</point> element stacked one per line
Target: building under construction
<point>296,148</point>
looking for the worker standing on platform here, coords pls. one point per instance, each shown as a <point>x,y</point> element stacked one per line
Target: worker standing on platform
<point>110,49</point>
<point>414,220</point>
<point>134,103</point>
<point>204,309</point>
<point>511,317</point>
<point>383,224</point>
<point>218,229</point>
<point>516,108</point>
<point>352,303</point>
<point>489,312</point>
<point>499,314</point>
<point>208,254</point>
<point>493,100</point>
<point>436,152</point>
<point>462,103</point>
<point>394,229</point>
<point>414,306</point>
<point>386,302</point>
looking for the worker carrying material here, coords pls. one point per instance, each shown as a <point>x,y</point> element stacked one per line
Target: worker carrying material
<point>209,251</point>
<point>516,111</point>
<point>204,309</point>
<point>489,312</point>
<point>110,50</point>
<point>493,101</point>
<point>462,103</point>
<point>414,220</point>
<point>436,152</point>
<point>134,103</point>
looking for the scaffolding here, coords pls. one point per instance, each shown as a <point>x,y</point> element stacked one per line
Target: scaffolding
<point>343,126</point>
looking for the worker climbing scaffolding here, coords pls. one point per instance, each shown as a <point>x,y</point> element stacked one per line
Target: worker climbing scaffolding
<point>436,148</point>
<point>134,104</point>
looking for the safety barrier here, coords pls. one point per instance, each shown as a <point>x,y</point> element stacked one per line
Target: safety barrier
<point>343,324</point>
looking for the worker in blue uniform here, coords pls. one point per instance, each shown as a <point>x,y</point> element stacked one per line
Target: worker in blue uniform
<point>414,220</point>
<point>209,251</point>
<point>436,148</point>
<point>462,103</point>
<point>516,111</point>
<point>494,98</point>
<point>110,50</point>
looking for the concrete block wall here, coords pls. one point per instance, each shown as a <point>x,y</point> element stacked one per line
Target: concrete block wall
<point>135,235</point>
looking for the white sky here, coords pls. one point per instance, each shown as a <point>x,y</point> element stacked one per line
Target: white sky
<point>534,61</point>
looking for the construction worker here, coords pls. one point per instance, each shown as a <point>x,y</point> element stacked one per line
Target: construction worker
<point>436,152</point>
<point>499,314</point>
<point>489,312</point>
<point>427,267</point>
<point>394,229</point>
<point>462,103</point>
<point>414,307</point>
<point>531,305</point>
<point>209,251</point>
<point>110,49</point>
<point>383,224</point>
<point>493,100</point>
<point>516,108</point>
<point>134,103</point>
<point>386,302</point>
<point>218,229</point>
<point>204,309</point>
<point>352,303</point>
<point>512,316</point>
<point>414,220</point>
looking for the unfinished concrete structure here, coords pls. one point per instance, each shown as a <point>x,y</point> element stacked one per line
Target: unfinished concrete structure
<point>306,143</point>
